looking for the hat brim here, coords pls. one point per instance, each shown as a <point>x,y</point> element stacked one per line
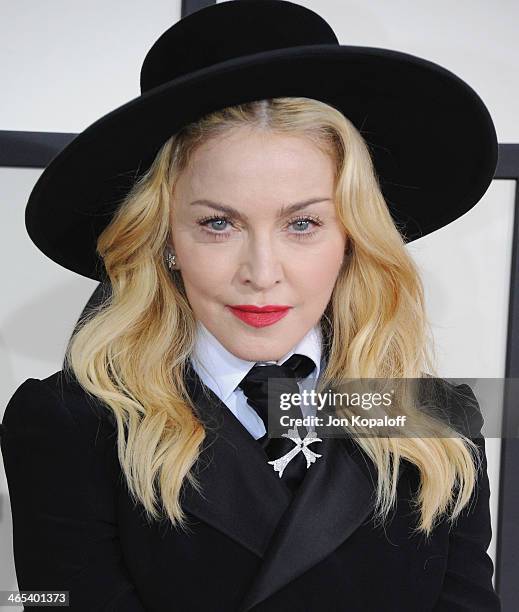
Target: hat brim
<point>432,139</point>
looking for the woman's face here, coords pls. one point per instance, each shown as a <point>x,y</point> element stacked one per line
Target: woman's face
<point>257,254</point>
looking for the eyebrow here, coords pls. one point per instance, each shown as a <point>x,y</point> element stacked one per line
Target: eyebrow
<point>284,210</point>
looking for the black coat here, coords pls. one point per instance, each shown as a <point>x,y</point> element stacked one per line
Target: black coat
<point>252,547</point>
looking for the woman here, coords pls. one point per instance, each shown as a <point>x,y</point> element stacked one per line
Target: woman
<point>143,476</point>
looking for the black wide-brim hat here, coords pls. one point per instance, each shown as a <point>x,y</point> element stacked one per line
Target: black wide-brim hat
<point>431,138</point>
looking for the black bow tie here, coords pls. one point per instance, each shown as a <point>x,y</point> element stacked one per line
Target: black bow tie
<point>255,386</point>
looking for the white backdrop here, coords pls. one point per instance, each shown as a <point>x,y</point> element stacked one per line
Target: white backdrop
<point>64,64</point>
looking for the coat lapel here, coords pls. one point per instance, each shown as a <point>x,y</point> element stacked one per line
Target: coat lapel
<point>234,475</point>
<point>332,502</point>
<point>245,499</point>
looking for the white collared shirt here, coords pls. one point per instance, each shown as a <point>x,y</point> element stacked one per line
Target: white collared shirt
<point>222,372</point>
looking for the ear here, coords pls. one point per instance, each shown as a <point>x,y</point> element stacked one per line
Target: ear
<point>347,250</point>
<point>169,244</point>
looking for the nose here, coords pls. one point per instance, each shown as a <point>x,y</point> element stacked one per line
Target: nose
<point>262,265</point>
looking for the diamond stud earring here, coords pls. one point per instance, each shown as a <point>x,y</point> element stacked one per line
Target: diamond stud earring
<point>170,260</point>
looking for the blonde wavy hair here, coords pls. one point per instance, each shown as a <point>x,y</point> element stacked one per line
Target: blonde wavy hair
<point>130,352</point>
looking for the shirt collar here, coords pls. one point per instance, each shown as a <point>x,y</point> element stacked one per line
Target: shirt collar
<point>222,371</point>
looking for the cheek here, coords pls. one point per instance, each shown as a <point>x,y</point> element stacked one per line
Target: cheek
<point>319,270</point>
<point>205,274</point>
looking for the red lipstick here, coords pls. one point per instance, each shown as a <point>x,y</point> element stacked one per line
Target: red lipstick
<point>259,316</point>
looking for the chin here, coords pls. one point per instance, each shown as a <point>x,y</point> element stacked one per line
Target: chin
<point>254,355</point>
<point>268,353</point>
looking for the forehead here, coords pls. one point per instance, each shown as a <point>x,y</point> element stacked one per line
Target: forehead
<point>249,164</point>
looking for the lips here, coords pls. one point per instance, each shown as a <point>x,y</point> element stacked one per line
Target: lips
<point>266,308</point>
<point>259,316</point>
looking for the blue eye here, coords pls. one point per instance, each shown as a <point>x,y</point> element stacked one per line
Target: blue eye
<point>218,221</point>
<point>217,234</point>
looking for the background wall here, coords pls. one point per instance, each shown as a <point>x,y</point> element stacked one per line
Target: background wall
<point>64,64</point>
